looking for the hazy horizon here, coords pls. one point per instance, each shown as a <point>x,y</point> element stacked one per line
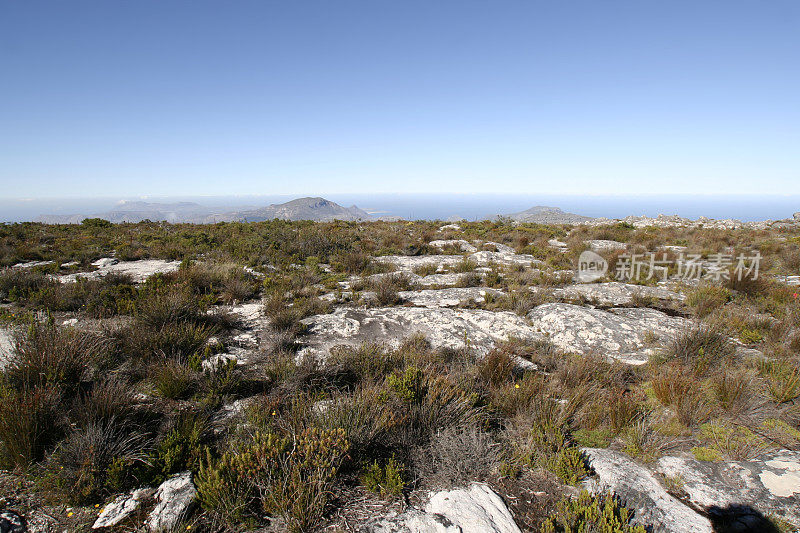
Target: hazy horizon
<point>443,206</point>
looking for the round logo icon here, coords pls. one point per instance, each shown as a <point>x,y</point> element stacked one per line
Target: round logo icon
<point>591,267</point>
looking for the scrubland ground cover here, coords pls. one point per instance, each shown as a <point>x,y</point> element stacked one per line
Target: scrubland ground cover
<point>139,388</point>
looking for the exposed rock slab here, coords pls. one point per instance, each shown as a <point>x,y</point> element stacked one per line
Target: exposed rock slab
<point>412,262</point>
<point>640,491</point>
<point>175,496</point>
<point>769,485</point>
<point>602,245</point>
<point>33,264</point>
<point>461,244</point>
<point>615,293</point>
<point>443,327</point>
<point>121,508</point>
<point>485,257</point>
<point>474,509</point>
<point>478,508</point>
<point>451,297</point>
<point>139,271</point>
<point>622,334</point>
<point>6,345</point>
<point>449,278</point>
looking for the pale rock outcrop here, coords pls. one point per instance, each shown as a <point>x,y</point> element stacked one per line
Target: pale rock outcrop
<point>504,255</point>
<point>600,245</point>
<point>639,490</point>
<point>450,278</point>
<point>624,334</point>
<point>615,293</point>
<point>412,262</point>
<point>500,247</point>
<point>6,345</point>
<point>139,271</point>
<point>461,244</point>
<point>443,327</point>
<point>769,485</point>
<point>175,496</point>
<point>478,508</point>
<point>451,227</point>
<point>121,508</point>
<point>487,257</point>
<point>451,297</point>
<point>32,264</point>
<point>474,509</point>
<point>675,221</point>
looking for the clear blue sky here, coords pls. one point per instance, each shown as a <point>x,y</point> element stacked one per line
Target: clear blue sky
<point>594,97</point>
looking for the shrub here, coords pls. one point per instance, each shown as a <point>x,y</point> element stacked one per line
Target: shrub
<point>496,368</point>
<point>465,265</point>
<point>20,283</point>
<point>623,409</point>
<point>78,469</point>
<point>386,287</point>
<point>222,379</point>
<point>95,223</point>
<point>359,415</point>
<point>109,399</point>
<point>700,348</point>
<point>732,390</point>
<point>289,477</point>
<point>456,456</point>
<point>223,488</point>
<point>162,308</point>
<point>539,437</point>
<point>783,380</point>
<point>285,315</point>
<point>173,380</point>
<point>177,341</point>
<point>368,361</point>
<point>707,298</point>
<point>181,448</point>
<point>693,408</point>
<point>386,479</point>
<point>736,442</point>
<point>671,382</point>
<point>30,421</point>
<point>590,513</point>
<point>408,386</point>
<point>50,355</point>
<point>352,263</point>
<point>644,442</point>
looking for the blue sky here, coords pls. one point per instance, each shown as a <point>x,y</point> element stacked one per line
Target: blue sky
<point>195,97</point>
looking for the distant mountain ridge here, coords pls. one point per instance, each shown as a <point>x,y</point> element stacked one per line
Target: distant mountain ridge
<point>542,214</point>
<point>309,208</point>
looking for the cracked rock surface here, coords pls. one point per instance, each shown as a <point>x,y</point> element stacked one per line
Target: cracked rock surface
<point>443,327</point>
<point>615,293</point>
<point>622,334</point>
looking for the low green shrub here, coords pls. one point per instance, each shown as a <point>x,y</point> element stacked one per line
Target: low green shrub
<point>384,479</point>
<point>601,513</point>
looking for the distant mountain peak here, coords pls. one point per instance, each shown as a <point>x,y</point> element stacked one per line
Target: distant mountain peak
<point>544,214</point>
<point>308,208</point>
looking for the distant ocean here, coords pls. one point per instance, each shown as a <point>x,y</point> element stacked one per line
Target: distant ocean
<point>448,206</point>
